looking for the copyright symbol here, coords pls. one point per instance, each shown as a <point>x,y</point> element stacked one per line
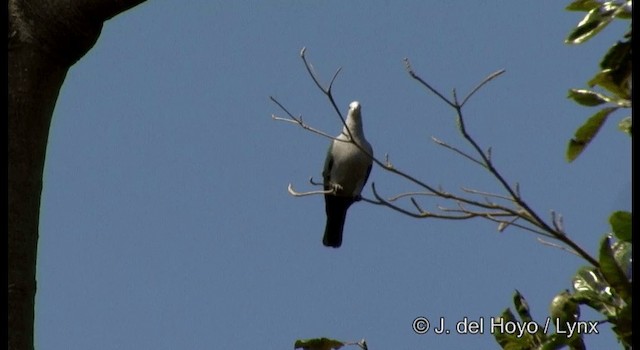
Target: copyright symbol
<point>420,325</point>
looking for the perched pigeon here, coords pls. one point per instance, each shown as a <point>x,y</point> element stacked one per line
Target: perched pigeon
<point>346,170</point>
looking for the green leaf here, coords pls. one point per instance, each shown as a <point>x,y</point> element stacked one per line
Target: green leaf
<point>586,132</point>
<point>587,97</point>
<point>506,340</point>
<point>617,67</point>
<point>589,279</point>
<point>612,272</point>
<point>554,342</point>
<point>564,308</point>
<point>595,20</point>
<point>577,343</point>
<point>607,79</point>
<point>624,10</point>
<point>623,325</point>
<point>622,252</point>
<point>591,289</point>
<point>318,344</point>
<point>625,125</point>
<point>582,5</point>
<point>522,307</point>
<point>619,54</point>
<point>621,225</point>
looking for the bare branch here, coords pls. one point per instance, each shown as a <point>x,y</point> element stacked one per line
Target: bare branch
<point>314,183</point>
<point>298,120</point>
<point>413,75</point>
<point>462,153</point>
<point>463,209</point>
<point>382,201</point>
<point>551,244</point>
<point>422,213</point>
<point>489,194</point>
<point>495,214</point>
<point>311,71</point>
<point>525,212</point>
<point>415,204</point>
<point>482,83</point>
<point>468,208</point>
<point>304,126</point>
<point>327,92</point>
<point>520,226</point>
<point>410,194</point>
<point>335,75</point>
<point>485,157</point>
<point>310,193</point>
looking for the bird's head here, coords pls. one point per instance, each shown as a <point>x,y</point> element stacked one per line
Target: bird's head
<point>354,111</point>
<point>354,121</point>
<point>354,106</point>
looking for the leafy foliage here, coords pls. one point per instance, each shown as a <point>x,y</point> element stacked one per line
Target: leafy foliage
<point>318,344</point>
<point>621,225</point>
<point>606,286</point>
<point>606,289</point>
<point>614,77</point>
<point>326,344</point>
<point>587,132</point>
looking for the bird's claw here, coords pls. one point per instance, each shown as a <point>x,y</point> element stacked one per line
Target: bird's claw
<point>336,188</point>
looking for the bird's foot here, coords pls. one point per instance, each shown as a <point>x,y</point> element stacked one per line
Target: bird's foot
<point>335,188</point>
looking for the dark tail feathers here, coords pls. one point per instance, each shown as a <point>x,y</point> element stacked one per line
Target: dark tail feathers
<point>336,209</point>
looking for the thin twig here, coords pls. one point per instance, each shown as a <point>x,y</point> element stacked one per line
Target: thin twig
<point>410,194</point>
<point>520,226</point>
<point>314,183</point>
<point>460,152</point>
<point>309,193</point>
<point>411,72</point>
<point>482,83</point>
<point>417,206</point>
<point>326,91</point>
<point>424,214</point>
<point>527,213</point>
<point>304,126</point>
<point>298,120</point>
<point>329,94</point>
<point>489,194</point>
<point>551,244</point>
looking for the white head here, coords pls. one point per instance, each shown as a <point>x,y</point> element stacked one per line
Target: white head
<point>354,119</point>
<point>355,105</point>
<point>354,112</point>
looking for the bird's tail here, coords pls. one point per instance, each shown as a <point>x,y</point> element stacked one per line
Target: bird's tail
<point>336,209</point>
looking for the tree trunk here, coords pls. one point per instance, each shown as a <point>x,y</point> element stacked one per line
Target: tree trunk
<point>45,39</point>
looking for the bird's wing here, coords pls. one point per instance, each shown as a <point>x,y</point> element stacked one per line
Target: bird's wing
<point>366,177</point>
<point>328,165</point>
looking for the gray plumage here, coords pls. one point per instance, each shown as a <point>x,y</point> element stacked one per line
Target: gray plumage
<point>346,169</point>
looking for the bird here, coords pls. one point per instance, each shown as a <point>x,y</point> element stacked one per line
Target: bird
<point>346,170</point>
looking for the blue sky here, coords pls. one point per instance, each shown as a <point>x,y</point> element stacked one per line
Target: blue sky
<point>166,223</point>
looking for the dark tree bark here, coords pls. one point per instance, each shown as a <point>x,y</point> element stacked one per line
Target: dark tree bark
<point>46,38</point>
